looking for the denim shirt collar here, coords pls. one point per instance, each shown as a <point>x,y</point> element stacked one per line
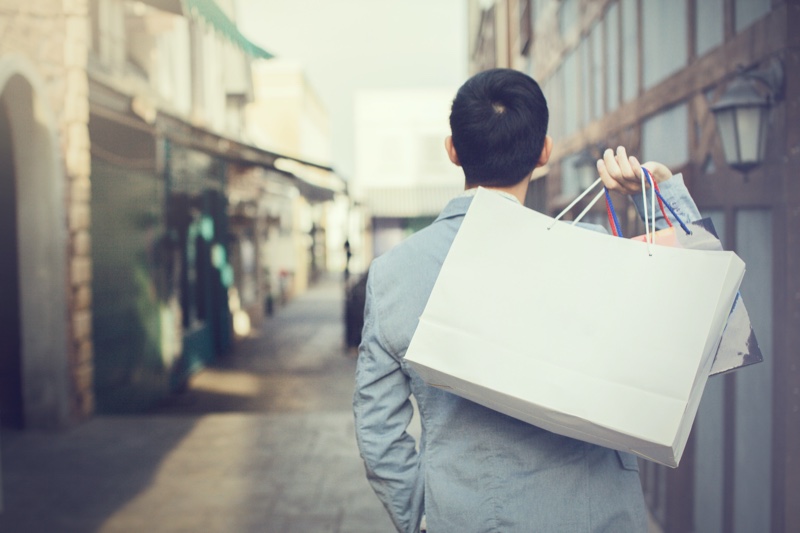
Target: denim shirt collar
<point>459,205</point>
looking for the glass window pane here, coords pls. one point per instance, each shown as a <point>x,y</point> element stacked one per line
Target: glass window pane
<point>630,50</point>
<point>585,86</point>
<point>665,137</point>
<point>570,177</point>
<point>709,30</point>
<point>596,38</point>
<point>748,11</point>
<point>558,99</point>
<point>709,444</point>
<point>568,16</point>
<point>663,22</point>
<point>570,92</point>
<point>709,438</point>
<point>753,426</point>
<point>611,22</point>
<point>552,91</point>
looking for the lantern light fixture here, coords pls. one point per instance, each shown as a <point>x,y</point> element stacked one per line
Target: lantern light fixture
<point>742,114</point>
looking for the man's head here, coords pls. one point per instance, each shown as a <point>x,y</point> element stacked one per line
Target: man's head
<point>499,125</point>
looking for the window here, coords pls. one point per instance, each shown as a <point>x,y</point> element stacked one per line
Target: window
<point>585,85</point>
<point>525,26</point>
<point>709,438</point>
<point>611,34</point>
<point>748,11</point>
<point>570,177</point>
<point>665,137</point>
<point>568,16</point>
<point>569,94</point>
<point>709,29</point>
<point>596,38</point>
<point>664,39</point>
<point>630,51</point>
<point>753,403</point>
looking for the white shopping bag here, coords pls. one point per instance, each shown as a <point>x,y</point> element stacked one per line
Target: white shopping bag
<point>579,333</point>
<point>738,347</point>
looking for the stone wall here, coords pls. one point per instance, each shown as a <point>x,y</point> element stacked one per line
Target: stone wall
<point>53,36</point>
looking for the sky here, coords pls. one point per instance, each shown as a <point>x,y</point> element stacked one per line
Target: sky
<point>347,45</point>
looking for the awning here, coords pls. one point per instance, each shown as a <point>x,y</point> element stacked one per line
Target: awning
<point>211,13</point>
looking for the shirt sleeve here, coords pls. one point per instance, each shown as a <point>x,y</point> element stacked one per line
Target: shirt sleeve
<point>677,196</point>
<point>383,411</point>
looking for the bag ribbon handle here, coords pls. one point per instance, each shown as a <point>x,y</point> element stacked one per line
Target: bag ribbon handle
<point>612,214</point>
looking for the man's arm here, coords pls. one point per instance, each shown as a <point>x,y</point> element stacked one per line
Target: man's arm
<point>624,174</point>
<point>677,196</point>
<point>383,411</point>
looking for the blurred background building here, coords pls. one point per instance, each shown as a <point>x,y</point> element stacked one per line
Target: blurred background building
<point>150,214</point>
<point>711,89</point>
<point>168,183</point>
<point>403,175</point>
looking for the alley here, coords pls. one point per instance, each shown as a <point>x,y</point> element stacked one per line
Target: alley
<point>263,441</point>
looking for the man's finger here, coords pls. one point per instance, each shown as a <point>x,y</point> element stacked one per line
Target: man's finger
<point>609,182</point>
<point>636,167</point>
<point>612,165</point>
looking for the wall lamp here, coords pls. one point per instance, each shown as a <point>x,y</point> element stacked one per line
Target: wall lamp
<point>742,114</point>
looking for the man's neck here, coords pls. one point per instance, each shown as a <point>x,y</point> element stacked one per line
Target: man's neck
<point>519,191</point>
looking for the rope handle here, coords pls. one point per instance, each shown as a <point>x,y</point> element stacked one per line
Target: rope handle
<point>662,202</point>
<point>614,221</point>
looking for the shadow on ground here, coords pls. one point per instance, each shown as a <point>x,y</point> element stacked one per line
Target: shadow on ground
<point>263,441</point>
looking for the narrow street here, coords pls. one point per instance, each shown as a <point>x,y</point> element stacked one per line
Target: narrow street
<point>261,442</point>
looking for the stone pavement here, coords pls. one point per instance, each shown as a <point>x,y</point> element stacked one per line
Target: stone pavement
<point>261,442</point>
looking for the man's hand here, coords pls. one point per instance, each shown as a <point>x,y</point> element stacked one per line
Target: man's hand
<point>624,174</point>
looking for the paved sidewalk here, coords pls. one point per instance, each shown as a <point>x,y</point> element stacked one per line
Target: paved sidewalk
<point>262,442</point>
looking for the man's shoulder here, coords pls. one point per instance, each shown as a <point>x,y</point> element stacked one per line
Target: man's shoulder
<point>424,251</point>
<point>430,242</point>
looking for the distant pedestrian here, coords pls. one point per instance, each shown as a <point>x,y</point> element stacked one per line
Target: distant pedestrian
<point>477,470</point>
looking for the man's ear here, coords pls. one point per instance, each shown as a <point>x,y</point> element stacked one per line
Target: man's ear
<point>451,150</point>
<point>544,157</point>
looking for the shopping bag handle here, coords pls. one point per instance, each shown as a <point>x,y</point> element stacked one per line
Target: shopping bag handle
<point>609,208</point>
<point>612,214</point>
<point>662,202</point>
<point>575,201</point>
<point>650,237</point>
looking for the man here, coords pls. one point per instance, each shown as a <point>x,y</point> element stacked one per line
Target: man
<point>477,470</point>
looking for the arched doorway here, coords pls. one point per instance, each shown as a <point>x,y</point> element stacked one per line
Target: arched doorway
<point>34,372</point>
<point>10,357</point>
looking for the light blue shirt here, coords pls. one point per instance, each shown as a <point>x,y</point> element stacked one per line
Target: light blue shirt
<point>474,469</point>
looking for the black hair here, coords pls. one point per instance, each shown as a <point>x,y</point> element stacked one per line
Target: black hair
<point>498,122</point>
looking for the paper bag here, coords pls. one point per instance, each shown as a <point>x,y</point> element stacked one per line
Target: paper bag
<point>739,346</point>
<point>557,327</point>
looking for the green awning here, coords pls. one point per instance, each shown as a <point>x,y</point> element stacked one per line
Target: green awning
<point>211,13</point>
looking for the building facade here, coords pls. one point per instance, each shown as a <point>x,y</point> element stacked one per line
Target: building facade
<point>403,175</point>
<point>46,376</point>
<point>647,74</point>
<point>129,261</point>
